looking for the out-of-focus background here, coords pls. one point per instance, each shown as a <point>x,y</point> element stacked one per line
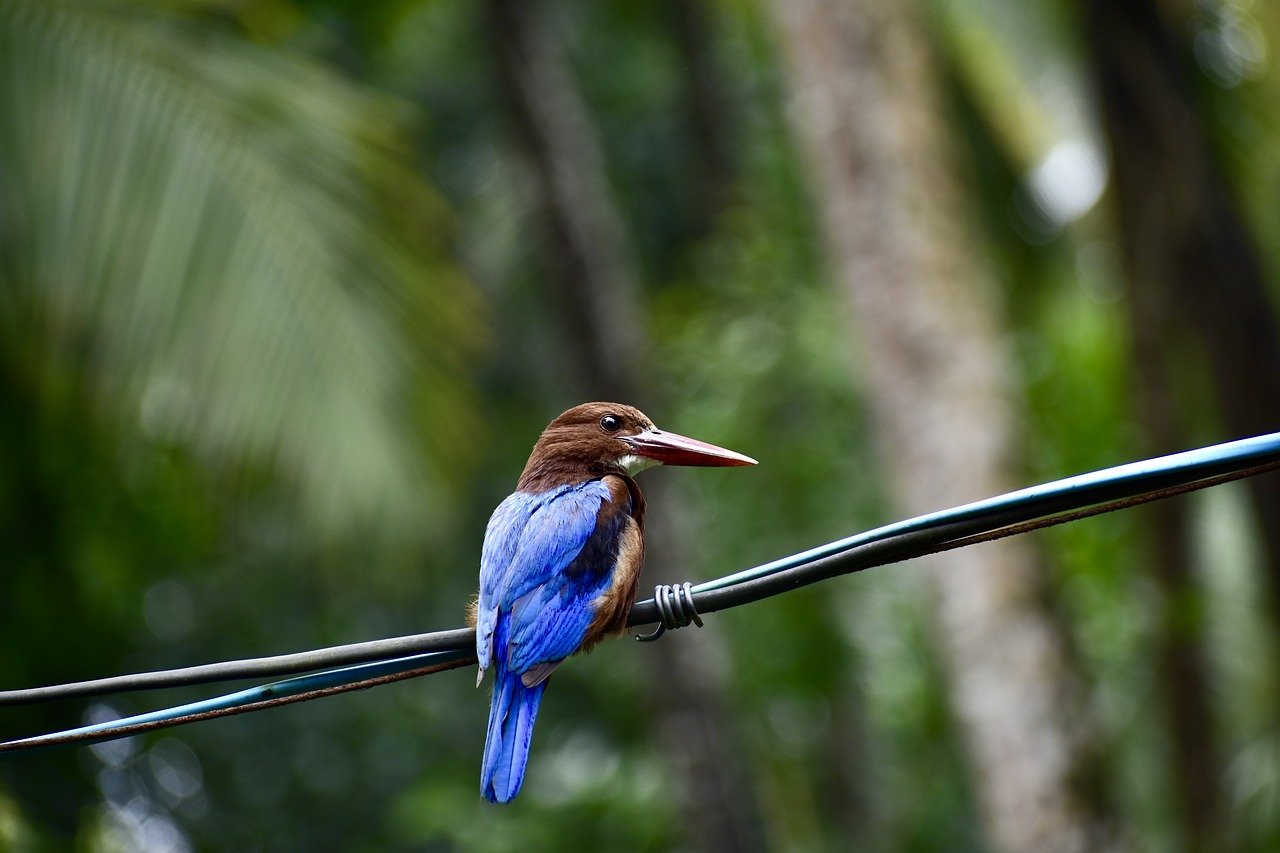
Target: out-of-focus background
<point>289,287</point>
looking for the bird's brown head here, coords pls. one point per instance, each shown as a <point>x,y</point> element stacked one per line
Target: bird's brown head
<point>598,438</point>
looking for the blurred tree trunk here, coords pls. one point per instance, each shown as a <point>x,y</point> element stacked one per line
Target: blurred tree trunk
<point>1183,236</point>
<point>1182,671</point>
<point>935,373</point>
<point>591,274</point>
<point>1192,270</point>
<point>706,110</point>
<point>584,247</point>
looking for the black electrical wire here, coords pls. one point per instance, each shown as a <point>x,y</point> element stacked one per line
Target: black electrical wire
<point>919,543</point>
<point>235,670</point>
<point>1005,515</point>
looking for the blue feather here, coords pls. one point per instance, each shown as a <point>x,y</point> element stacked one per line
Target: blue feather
<point>547,557</point>
<point>513,709</point>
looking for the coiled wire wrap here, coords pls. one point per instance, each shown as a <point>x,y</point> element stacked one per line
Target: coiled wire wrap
<point>675,610</point>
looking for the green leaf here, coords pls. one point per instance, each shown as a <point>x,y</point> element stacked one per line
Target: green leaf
<point>226,245</point>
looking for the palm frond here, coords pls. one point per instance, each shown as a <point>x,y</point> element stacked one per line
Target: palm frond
<point>230,244</point>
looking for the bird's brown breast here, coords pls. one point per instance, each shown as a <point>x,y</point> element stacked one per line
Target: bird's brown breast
<point>614,604</point>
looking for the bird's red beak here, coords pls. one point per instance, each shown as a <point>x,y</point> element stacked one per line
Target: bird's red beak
<point>672,449</point>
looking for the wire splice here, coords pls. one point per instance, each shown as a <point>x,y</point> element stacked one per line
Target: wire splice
<point>675,610</point>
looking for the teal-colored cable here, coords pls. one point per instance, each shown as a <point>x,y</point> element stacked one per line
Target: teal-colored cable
<point>264,695</point>
<point>1060,495</point>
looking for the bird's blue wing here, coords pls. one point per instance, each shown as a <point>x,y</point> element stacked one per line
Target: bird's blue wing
<point>550,621</point>
<point>546,558</point>
<point>530,540</point>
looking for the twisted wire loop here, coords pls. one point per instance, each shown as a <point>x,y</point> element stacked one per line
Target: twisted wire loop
<point>675,610</point>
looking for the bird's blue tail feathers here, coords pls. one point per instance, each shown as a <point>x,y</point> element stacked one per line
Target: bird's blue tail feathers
<point>513,709</point>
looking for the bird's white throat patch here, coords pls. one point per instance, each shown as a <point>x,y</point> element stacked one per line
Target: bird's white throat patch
<point>633,463</point>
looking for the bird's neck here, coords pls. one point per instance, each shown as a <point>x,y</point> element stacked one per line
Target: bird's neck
<point>562,457</point>
<point>543,473</point>
<point>546,472</point>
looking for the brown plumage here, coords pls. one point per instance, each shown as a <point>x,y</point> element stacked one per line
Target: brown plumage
<point>576,447</point>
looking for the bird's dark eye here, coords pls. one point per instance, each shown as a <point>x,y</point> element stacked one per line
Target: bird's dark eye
<point>610,423</point>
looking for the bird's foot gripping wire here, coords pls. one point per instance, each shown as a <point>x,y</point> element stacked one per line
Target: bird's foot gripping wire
<point>675,610</point>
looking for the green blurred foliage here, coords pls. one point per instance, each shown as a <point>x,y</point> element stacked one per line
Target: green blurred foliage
<point>275,341</point>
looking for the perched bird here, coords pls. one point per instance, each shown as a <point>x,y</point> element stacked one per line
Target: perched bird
<point>561,562</point>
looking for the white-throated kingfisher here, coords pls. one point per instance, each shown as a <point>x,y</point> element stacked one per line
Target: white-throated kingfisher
<point>561,563</point>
